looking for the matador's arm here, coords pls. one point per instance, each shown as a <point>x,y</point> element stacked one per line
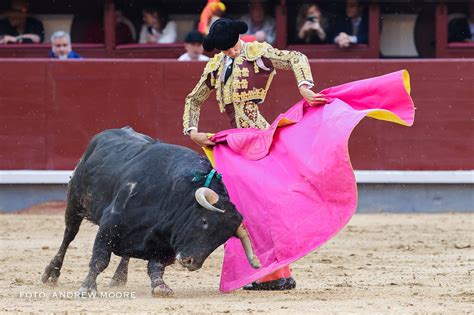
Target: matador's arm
<point>294,60</point>
<point>194,100</point>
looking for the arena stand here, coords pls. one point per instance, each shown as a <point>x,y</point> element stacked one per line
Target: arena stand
<point>50,110</point>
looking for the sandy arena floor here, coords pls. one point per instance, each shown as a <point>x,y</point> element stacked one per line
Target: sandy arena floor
<point>378,263</point>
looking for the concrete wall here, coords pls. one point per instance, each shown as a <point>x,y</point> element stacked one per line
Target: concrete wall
<point>430,198</point>
<point>372,197</point>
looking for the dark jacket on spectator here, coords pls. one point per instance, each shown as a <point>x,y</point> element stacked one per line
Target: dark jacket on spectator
<point>33,26</point>
<point>458,30</point>
<point>345,25</point>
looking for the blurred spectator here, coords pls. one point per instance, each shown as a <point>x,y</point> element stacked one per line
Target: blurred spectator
<point>61,46</point>
<point>124,30</point>
<point>89,28</point>
<point>157,27</point>
<point>193,46</point>
<point>462,29</point>
<point>312,24</point>
<point>17,27</point>
<point>354,28</point>
<point>213,11</point>
<point>260,24</point>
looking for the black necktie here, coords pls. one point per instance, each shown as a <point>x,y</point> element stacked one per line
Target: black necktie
<point>228,71</point>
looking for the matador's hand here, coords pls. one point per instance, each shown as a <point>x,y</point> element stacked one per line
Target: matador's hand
<point>201,139</point>
<point>311,97</point>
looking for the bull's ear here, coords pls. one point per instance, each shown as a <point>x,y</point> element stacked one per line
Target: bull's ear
<point>212,197</point>
<point>207,198</point>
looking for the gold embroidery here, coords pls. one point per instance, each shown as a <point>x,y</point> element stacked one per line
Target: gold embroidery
<point>255,50</point>
<point>296,61</point>
<point>236,84</point>
<point>269,81</point>
<point>254,94</point>
<point>237,72</point>
<point>246,110</point>
<point>213,79</point>
<point>213,63</point>
<point>239,60</point>
<point>244,84</point>
<point>235,97</point>
<point>247,115</point>
<point>220,95</point>
<point>256,69</point>
<point>193,102</point>
<point>227,91</point>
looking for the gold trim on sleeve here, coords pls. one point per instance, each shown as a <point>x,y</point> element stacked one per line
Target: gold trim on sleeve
<point>294,60</point>
<point>193,102</point>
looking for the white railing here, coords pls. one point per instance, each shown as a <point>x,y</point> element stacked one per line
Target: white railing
<point>363,177</point>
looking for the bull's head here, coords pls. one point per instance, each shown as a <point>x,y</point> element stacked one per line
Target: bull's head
<point>214,220</point>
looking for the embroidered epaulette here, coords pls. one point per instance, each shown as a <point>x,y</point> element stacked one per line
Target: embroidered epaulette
<point>213,63</point>
<point>255,50</point>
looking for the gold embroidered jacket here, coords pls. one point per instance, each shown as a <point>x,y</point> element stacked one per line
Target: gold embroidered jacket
<point>247,86</point>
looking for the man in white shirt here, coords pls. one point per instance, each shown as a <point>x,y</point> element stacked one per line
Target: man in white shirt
<point>193,46</point>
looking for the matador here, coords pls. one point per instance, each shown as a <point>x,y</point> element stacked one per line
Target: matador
<point>241,74</point>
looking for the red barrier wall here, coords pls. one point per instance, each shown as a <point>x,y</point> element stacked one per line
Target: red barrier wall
<point>50,109</point>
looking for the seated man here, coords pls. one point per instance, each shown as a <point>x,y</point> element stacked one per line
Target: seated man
<point>61,46</point>
<point>17,27</point>
<point>193,46</point>
<point>462,29</point>
<point>354,27</point>
<point>260,24</point>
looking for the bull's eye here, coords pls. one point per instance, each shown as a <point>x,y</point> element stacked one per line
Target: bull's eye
<point>204,224</point>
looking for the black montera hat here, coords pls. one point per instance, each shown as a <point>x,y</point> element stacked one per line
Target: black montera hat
<point>224,34</point>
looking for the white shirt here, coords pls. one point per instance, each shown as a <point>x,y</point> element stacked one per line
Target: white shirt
<point>167,36</point>
<point>185,57</point>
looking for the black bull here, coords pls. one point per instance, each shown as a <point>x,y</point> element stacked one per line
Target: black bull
<point>141,193</point>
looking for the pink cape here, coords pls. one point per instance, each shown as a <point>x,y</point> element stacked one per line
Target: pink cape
<point>294,183</point>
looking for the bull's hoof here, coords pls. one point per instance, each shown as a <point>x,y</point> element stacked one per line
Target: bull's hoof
<point>118,281</point>
<point>50,275</point>
<point>162,291</point>
<point>86,291</point>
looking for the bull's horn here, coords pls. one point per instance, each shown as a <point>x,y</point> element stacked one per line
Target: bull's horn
<point>245,239</point>
<point>207,197</point>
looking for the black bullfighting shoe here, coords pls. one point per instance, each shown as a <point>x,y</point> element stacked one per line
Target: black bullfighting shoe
<point>274,285</point>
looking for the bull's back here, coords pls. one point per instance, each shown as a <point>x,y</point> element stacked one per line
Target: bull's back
<point>116,159</point>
